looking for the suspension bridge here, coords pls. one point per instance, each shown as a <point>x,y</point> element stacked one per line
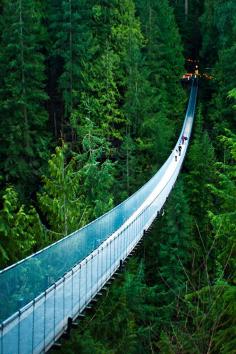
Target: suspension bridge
<point>42,294</point>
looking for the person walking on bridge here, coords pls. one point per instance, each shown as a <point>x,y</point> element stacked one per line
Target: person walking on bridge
<point>180,148</point>
<point>176,154</point>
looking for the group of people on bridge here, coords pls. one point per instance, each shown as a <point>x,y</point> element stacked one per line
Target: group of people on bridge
<point>178,151</point>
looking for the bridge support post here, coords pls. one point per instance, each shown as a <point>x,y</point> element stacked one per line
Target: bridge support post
<point>68,328</point>
<point>70,325</point>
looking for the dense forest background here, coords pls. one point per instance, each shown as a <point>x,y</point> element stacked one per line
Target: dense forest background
<point>91,104</point>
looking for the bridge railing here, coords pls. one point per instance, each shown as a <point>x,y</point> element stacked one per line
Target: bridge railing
<point>100,246</point>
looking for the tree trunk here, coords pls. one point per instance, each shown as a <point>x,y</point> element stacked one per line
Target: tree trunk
<point>25,113</point>
<point>186,9</point>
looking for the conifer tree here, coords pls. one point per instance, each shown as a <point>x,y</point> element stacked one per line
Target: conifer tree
<point>164,56</point>
<point>187,13</point>
<point>61,199</point>
<point>20,229</point>
<point>73,43</point>
<point>201,171</point>
<point>77,188</point>
<point>176,250</point>
<point>219,31</point>
<point>163,98</point>
<point>100,97</point>
<point>209,310</point>
<point>223,217</point>
<point>23,124</point>
<point>96,170</point>
<point>127,41</point>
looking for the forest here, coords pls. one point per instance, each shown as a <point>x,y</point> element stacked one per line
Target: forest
<point>91,104</point>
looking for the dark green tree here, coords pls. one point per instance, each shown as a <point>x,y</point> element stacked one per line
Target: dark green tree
<point>20,229</point>
<point>73,45</point>
<point>163,97</point>
<point>164,54</point>
<point>210,310</point>
<point>96,170</point>
<point>23,126</point>
<point>201,171</point>
<point>223,217</point>
<point>61,199</point>
<point>219,31</point>
<point>187,14</point>
<point>176,251</point>
<point>77,187</point>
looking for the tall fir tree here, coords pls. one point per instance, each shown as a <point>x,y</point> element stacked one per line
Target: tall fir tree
<point>23,126</point>
<point>60,199</point>
<point>73,45</point>
<point>219,31</point>
<point>164,98</point>
<point>21,231</point>
<point>187,13</point>
<point>77,188</point>
<point>176,251</point>
<point>96,169</point>
<point>201,171</point>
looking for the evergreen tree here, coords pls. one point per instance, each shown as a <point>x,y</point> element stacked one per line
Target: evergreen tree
<point>176,251</point>
<point>187,14</point>
<point>77,188</point>
<point>223,217</point>
<point>210,311</point>
<point>60,199</point>
<point>164,57</point>
<point>99,97</point>
<point>201,171</point>
<point>23,124</point>
<point>219,31</point>
<point>96,170</point>
<point>163,99</point>
<point>74,45</point>
<point>127,42</point>
<point>20,229</point>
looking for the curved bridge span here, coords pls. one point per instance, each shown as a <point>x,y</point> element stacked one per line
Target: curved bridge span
<point>40,293</point>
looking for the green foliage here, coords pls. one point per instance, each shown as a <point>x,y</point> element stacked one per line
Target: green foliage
<point>165,346</point>
<point>201,172</point>
<point>61,200</point>
<point>19,228</point>
<point>164,58</point>
<point>209,326</point>
<point>96,170</point>
<point>163,98</point>
<point>224,216</point>
<point>175,252</point>
<point>99,99</point>
<point>219,31</point>
<point>22,96</point>
<point>224,339</point>
<point>73,43</point>
<point>187,14</point>
<point>77,188</point>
